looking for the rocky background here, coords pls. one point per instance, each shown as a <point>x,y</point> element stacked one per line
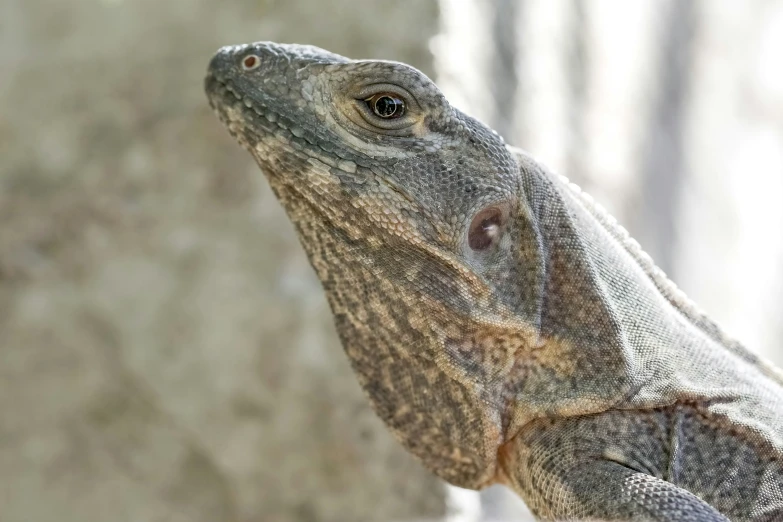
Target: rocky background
<point>166,353</point>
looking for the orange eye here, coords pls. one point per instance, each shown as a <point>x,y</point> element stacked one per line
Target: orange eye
<point>386,105</point>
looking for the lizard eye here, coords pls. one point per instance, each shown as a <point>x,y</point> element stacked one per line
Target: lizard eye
<point>386,105</point>
<point>384,108</point>
<point>486,227</point>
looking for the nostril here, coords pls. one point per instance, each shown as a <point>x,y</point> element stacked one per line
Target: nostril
<point>250,62</point>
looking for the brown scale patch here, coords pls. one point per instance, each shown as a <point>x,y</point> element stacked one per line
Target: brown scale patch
<point>490,356</point>
<point>557,355</point>
<point>507,462</point>
<point>385,210</point>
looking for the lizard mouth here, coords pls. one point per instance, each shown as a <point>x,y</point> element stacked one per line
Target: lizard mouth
<point>267,133</point>
<point>268,136</point>
<point>235,111</point>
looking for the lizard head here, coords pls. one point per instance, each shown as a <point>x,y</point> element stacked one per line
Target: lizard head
<point>412,216</point>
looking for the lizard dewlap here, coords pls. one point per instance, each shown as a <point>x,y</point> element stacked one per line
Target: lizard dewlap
<point>504,327</point>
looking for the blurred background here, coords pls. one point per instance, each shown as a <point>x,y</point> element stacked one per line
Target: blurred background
<point>166,353</point>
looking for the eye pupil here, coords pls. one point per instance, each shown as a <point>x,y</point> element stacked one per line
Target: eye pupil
<point>386,105</point>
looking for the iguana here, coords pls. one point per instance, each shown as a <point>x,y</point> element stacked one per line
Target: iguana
<point>505,327</point>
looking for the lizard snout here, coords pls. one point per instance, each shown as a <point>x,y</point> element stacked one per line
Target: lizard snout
<point>227,59</point>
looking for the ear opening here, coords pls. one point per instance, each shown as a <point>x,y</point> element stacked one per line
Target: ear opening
<point>487,226</point>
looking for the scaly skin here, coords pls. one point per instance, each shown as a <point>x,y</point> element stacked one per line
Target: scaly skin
<point>502,325</point>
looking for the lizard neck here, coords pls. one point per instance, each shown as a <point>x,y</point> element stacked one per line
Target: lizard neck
<point>630,343</point>
<point>582,362</point>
